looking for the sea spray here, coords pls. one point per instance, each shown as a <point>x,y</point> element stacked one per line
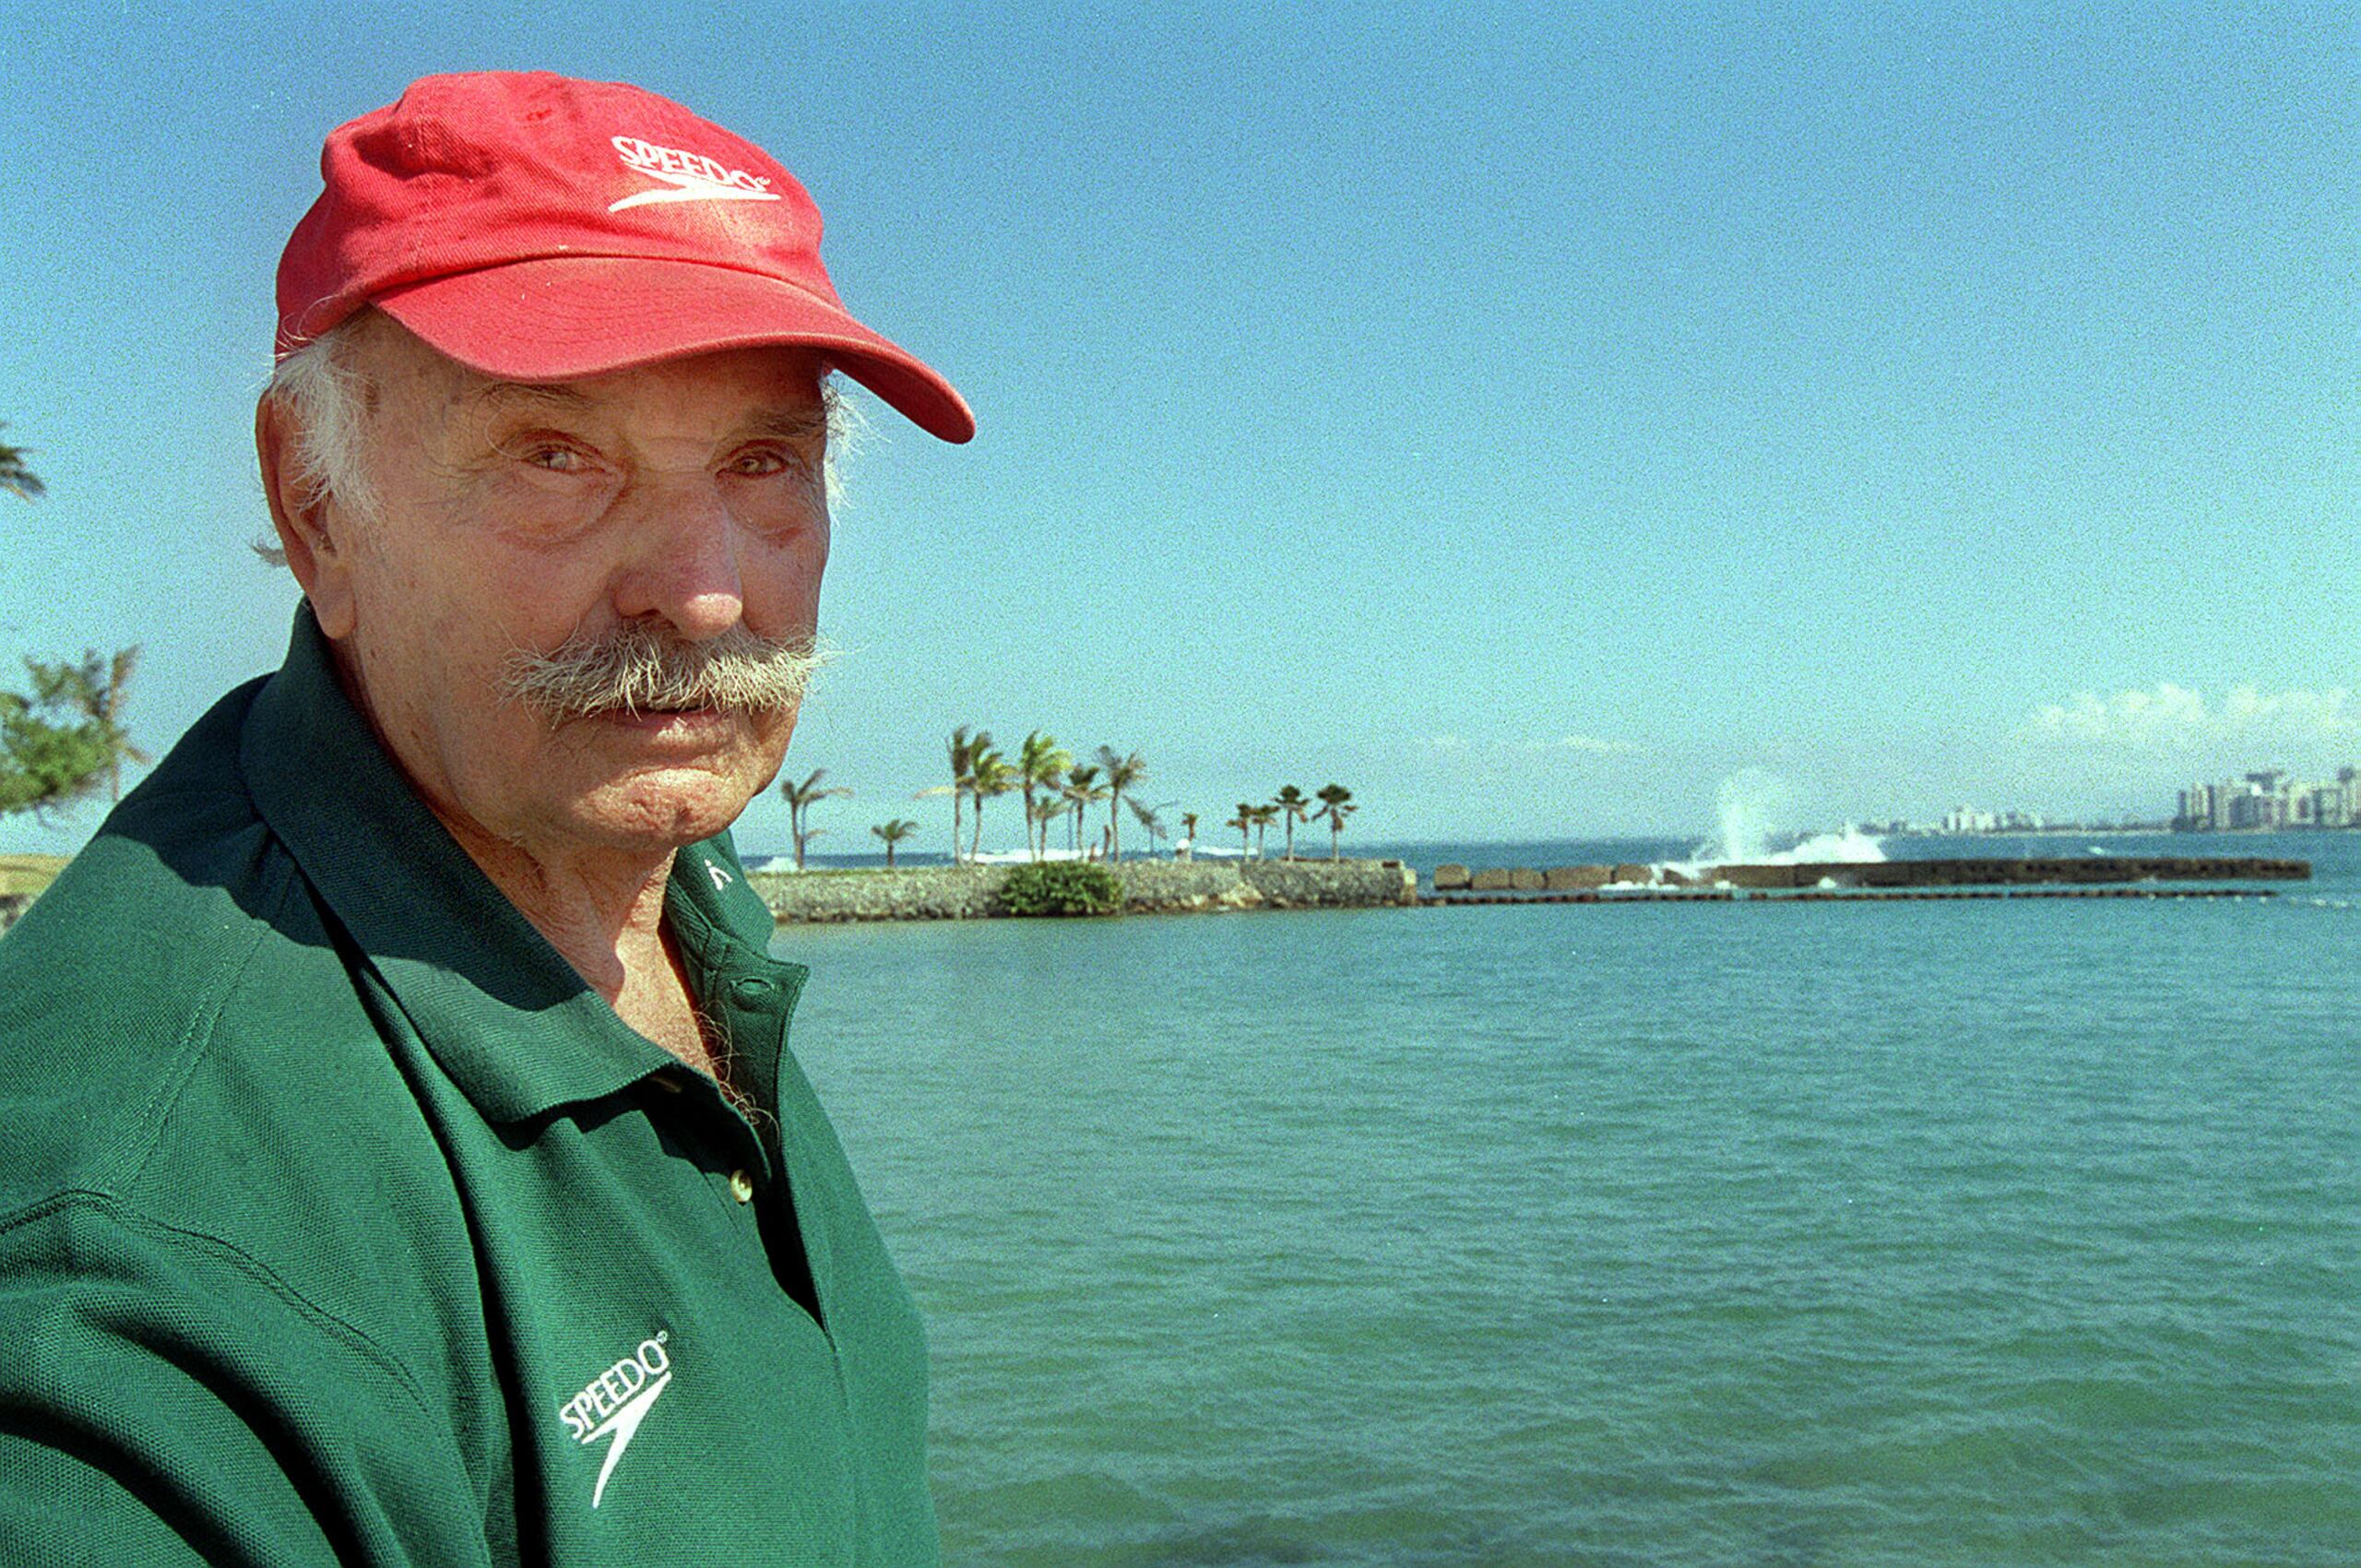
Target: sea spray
<point>1847,846</point>
<point>1751,804</point>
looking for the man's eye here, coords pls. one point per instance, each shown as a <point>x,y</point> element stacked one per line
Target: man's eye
<point>556,459</point>
<point>754,465</point>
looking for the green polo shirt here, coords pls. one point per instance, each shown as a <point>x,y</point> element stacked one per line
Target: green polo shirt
<point>340,1223</point>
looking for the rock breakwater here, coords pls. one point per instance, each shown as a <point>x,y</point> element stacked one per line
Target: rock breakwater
<point>967,893</point>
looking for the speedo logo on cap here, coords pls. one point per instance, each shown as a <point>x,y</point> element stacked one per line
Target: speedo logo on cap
<point>687,176</point>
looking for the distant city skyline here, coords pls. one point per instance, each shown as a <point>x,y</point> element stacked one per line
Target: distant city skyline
<point>2271,798</point>
<point>2251,799</point>
<point>1528,420</point>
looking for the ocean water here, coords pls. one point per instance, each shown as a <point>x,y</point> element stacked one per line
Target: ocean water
<point>1903,1233</point>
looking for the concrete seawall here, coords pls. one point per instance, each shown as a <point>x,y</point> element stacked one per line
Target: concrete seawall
<point>956,893</point>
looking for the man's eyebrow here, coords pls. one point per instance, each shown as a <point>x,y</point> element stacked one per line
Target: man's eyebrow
<point>788,423</point>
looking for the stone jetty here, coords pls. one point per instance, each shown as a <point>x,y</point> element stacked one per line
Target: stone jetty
<point>967,892</point>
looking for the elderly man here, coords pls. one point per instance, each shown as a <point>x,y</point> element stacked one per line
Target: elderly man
<point>404,1159</point>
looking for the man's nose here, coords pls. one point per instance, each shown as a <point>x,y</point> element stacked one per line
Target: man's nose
<point>682,560</point>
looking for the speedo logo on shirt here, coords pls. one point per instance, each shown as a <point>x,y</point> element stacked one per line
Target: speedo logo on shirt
<point>687,176</point>
<point>612,1404</point>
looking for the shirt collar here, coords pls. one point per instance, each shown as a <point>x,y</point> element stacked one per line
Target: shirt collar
<point>500,1010</point>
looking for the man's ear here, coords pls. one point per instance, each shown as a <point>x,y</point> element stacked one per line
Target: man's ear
<point>307,532</point>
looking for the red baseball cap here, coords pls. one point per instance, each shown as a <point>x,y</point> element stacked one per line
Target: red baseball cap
<point>537,227</point>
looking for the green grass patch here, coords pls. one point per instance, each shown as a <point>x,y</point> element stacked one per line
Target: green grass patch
<point>29,874</point>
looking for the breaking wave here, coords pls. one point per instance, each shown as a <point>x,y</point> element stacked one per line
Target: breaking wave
<point>1750,803</point>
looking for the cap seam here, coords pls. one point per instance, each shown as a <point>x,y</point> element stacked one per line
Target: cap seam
<point>377,289</point>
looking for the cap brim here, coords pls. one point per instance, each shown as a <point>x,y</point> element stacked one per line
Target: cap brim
<point>559,318</point>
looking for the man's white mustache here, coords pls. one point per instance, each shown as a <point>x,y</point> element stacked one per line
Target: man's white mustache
<point>642,667</point>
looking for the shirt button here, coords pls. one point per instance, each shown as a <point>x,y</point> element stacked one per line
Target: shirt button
<point>742,1186</point>
<point>753,990</point>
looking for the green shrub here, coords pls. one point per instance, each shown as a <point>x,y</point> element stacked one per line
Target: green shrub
<point>1061,888</point>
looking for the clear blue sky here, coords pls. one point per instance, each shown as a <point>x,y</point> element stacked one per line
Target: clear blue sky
<point>1525,419</point>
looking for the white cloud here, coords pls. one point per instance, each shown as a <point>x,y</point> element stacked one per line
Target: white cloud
<point>2171,717</point>
<point>1579,745</point>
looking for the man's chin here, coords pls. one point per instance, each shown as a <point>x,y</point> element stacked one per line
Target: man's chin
<point>652,781</point>
<point>654,810</point>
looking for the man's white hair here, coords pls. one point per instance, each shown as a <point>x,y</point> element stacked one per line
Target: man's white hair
<point>323,386</point>
<point>328,396</point>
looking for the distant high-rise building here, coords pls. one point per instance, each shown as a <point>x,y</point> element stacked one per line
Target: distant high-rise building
<point>2269,797</point>
<point>2257,810</point>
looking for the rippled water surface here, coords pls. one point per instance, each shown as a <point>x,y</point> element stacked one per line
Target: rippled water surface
<point>1908,1233</point>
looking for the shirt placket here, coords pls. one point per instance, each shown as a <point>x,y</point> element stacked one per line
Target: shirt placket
<point>759,1182</point>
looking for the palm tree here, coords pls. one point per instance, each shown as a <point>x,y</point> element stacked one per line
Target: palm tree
<point>893,833</point>
<point>1081,789</point>
<point>1123,772</point>
<point>51,762</point>
<point>1296,806</point>
<point>1264,816</point>
<point>15,477</point>
<point>1039,815</point>
<point>1041,763</point>
<point>97,689</point>
<point>108,711</point>
<point>1145,817</point>
<point>801,798</point>
<point>989,775</point>
<point>1340,806</point>
<point>1188,845</point>
<point>1245,823</point>
<point>963,749</point>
